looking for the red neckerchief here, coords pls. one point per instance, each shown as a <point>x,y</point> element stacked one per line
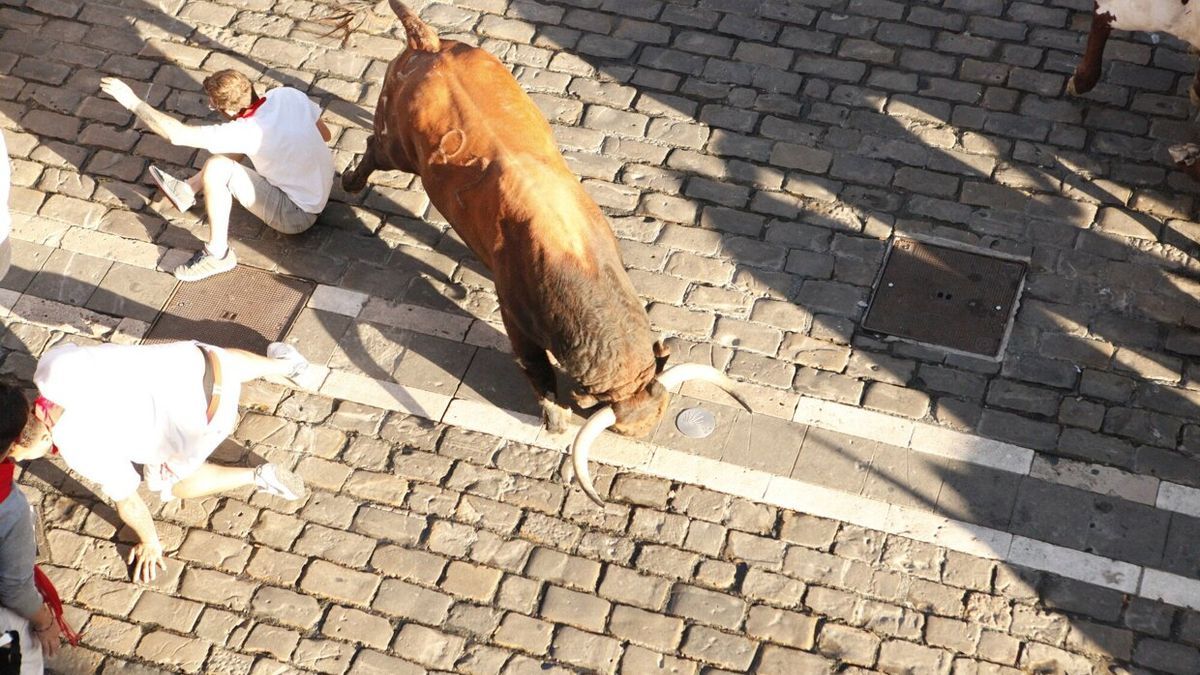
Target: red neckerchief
<point>7,467</point>
<point>44,585</point>
<point>46,407</point>
<point>251,109</point>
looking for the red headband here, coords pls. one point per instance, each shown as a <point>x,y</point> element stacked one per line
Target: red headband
<point>45,406</point>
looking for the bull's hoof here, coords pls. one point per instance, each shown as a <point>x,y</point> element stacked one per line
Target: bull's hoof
<point>352,182</point>
<point>584,400</point>
<point>555,417</point>
<point>1071,88</point>
<point>1077,86</point>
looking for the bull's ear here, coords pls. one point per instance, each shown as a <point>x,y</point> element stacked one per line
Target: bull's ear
<point>661,353</point>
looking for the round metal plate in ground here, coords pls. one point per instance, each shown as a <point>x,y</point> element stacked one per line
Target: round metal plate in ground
<point>696,423</point>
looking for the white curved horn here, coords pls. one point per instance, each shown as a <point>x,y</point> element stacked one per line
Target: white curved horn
<point>676,375</point>
<point>596,424</point>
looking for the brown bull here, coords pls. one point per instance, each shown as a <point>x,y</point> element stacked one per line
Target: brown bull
<point>455,116</point>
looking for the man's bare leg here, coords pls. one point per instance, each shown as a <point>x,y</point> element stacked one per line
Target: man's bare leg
<point>218,201</point>
<point>242,366</point>
<point>211,479</point>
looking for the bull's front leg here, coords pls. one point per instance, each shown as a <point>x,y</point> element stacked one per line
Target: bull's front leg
<point>1087,73</point>
<point>536,366</point>
<point>1194,91</point>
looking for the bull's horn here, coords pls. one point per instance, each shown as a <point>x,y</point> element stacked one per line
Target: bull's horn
<point>676,375</point>
<point>596,424</point>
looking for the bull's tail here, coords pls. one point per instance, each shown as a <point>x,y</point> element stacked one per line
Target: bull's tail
<point>420,36</point>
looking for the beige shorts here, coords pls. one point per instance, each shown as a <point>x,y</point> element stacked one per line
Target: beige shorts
<point>269,203</point>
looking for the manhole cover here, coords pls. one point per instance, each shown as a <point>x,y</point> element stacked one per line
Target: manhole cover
<point>945,297</point>
<point>696,423</point>
<point>245,308</point>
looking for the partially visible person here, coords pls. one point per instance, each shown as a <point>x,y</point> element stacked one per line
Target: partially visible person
<point>5,217</point>
<point>166,407</point>
<point>283,135</point>
<point>30,611</point>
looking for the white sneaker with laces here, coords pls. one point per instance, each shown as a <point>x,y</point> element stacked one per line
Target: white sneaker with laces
<point>203,265</point>
<point>287,353</point>
<point>276,480</point>
<point>178,191</point>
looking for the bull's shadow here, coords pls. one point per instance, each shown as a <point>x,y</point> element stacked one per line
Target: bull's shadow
<point>385,242</point>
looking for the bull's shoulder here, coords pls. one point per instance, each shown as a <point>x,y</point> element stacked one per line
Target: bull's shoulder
<point>548,210</point>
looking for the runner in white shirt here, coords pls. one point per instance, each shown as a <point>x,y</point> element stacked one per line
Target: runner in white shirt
<point>165,407</point>
<point>282,134</point>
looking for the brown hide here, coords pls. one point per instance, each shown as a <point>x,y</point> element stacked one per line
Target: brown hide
<point>487,158</point>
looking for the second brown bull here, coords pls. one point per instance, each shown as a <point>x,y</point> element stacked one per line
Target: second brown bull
<point>453,114</point>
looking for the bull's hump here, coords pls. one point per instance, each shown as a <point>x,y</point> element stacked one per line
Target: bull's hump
<point>489,105</point>
<point>478,116</point>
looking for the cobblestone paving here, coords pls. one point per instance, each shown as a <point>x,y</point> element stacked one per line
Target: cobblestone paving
<point>427,548</point>
<point>754,156</point>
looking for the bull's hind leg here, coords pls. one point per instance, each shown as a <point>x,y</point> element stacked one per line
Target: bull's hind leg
<point>536,366</point>
<point>1087,73</point>
<point>372,160</point>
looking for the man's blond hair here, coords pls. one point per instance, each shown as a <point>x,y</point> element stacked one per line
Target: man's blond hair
<point>229,89</point>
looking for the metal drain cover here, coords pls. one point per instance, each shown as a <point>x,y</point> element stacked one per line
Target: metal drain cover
<point>696,423</point>
<point>244,308</point>
<point>946,297</point>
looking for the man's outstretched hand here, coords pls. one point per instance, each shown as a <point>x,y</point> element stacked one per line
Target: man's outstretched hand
<point>120,91</point>
<point>146,559</point>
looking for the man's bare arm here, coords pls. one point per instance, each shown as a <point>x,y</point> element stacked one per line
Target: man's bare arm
<point>146,557</point>
<point>324,130</point>
<point>176,132</point>
<point>136,515</point>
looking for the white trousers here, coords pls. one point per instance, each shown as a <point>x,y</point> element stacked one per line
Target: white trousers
<point>31,649</point>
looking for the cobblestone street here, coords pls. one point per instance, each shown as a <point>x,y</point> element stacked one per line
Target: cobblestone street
<point>884,507</point>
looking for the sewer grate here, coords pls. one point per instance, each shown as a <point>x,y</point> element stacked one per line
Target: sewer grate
<point>245,308</point>
<point>946,297</point>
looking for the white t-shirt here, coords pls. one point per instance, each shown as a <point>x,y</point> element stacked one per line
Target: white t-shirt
<point>282,141</point>
<point>132,404</point>
<point>5,179</point>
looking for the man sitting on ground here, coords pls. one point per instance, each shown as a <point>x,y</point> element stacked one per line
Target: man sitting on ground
<point>166,407</point>
<point>282,134</point>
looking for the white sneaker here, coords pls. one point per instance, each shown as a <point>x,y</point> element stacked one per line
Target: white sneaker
<point>276,480</point>
<point>285,352</point>
<point>178,191</point>
<point>203,265</point>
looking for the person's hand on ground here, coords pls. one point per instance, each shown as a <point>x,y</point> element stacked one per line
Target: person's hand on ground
<point>47,631</point>
<point>146,559</point>
<point>120,91</point>
<point>50,639</point>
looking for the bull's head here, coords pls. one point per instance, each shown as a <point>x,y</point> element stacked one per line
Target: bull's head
<point>637,415</point>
